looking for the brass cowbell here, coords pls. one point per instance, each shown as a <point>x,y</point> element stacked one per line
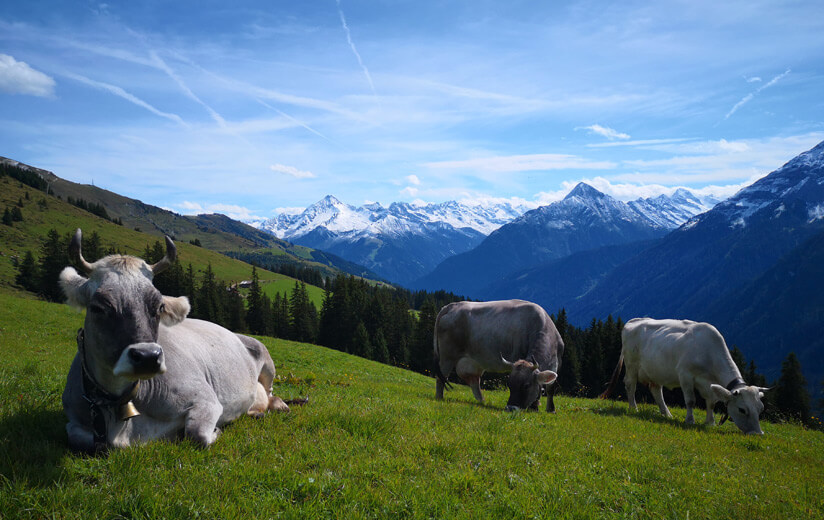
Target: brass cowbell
<point>127,411</point>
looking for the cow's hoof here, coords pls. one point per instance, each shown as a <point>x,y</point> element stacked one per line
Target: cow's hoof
<point>277,404</point>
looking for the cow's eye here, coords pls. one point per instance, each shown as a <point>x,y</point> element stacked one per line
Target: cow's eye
<point>742,410</point>
<point>161,309</point>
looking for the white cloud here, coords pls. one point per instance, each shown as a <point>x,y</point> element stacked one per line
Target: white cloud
<point>17,77</point>
<point>292,171</point>
<point>230,210</point>
<point>605,131</point>
<point>413,179</point>
<point>294,210</point>
<point>409,191</point>
<point>519,163</point>
<point>754,79</point>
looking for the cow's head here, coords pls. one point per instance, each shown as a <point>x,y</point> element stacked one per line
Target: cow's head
<point>123,311</point>
<point>743,406</point>
<point>525,382</point>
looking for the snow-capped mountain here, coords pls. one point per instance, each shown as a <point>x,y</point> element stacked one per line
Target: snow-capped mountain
<point>398,218</point>
<point>400,242</point>
<point>672,211</point>
<point>585,219</point>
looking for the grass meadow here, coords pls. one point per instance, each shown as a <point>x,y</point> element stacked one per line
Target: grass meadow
<point>373,443</point>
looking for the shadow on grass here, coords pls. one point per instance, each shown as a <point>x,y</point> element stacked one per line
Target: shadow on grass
<point>32,443</point>
<point>617,409</point>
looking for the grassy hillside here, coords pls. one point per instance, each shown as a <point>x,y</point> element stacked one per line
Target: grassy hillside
<point>373,443</point>
<point>215,232</point>
<point>65,218</point>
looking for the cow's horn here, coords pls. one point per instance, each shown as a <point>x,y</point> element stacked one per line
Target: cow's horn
<point>764,388</point>
<point>507,362</point>
<point>166,261</point>
<point>75,255</point>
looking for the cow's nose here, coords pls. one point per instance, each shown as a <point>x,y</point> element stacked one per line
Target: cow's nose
<point>146,358</point>
<point>755,432</point>
<point>512,408</point>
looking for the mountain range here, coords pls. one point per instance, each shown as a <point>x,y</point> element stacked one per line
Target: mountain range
<point>405,242</point>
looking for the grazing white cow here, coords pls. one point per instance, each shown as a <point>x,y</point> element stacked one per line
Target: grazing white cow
<point>690,355</point>
<point>143,371</point>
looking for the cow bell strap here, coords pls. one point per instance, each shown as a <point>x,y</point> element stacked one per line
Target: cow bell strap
<point>99,399</point>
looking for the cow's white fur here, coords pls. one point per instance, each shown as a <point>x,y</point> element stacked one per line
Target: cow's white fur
<point>212,376</point>
<point>690,355</point>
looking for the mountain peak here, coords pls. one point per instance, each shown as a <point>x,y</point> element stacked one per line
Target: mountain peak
<point>584,191</point>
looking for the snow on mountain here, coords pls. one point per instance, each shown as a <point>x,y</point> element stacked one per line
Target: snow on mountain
<point>672,211</point>
<point>799,181</point>
<point>399,218</point>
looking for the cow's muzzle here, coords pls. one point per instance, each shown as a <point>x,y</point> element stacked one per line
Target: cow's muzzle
<point>512,408</point>
<point>141,361</point>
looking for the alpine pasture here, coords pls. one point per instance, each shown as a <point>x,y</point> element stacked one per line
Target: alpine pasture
<point>373,443</point>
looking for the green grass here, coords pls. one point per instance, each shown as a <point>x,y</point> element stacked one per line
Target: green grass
<point>373,443</point>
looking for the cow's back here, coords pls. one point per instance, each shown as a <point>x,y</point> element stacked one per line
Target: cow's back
<point>484,331</point>
<point>656,349</point>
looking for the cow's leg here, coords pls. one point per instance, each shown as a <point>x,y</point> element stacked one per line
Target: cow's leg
<point>471,373</point>
<point>446,366</point>
<point>630,381</point>
<point>658,395</point>
<point>550,394</point>
<point>81,438</point>
<point>689,399</point>
<point>201,421</point>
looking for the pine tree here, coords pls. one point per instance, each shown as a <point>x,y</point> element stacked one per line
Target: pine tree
<point>256,313</point>
<point>16,214</point>
<point>380,349</point>
<point>54,257</point>
<point>738,358</point>
<point>27,273</point>
<point>791,395</point>
<point>361,345</point>
<point>421,347</point>
<point>208,299</point>
<point>7,220</point>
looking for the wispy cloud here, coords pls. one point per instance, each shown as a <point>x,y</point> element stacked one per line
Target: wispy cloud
<point>605,131</point>
<point>522,163</point>
<point>294,120</point>
<point>230,210</point>
<point>17,77</point>
<point>291,171</point>
<point>746,99</point>
<point>119,92</point>
<point>354,49</point>
<point>413,179</point>
<point>640,142</point>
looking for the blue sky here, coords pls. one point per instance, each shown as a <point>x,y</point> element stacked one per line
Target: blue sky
<point>258,106</point>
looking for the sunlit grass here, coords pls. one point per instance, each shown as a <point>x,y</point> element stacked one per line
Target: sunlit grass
<point>373,443</point>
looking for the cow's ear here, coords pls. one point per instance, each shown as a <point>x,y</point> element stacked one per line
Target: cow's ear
<point>721,393</point>
<point>175,310</point>
<point>546,377</point>
<point>74,287</point>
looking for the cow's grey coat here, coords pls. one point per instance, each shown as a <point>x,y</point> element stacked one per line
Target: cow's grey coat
<point>474,337</point>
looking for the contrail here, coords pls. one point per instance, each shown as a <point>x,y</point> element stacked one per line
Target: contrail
<point>161,64</point>
<point>294,120</point>
<point>117,91</point>
<point>354,49</point>
<point>746,99</point>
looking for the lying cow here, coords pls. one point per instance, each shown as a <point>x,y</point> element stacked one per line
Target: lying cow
<point>143,370</point>
<point>474,337</point>
<point>692,356</point>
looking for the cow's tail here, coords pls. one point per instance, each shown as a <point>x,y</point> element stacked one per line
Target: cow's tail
<point>436,357</point>
<point>614,378</point>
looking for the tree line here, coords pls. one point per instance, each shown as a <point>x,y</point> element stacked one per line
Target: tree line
<point>387,324</point>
